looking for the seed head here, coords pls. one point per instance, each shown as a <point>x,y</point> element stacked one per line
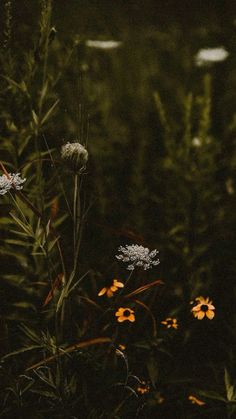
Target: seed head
<point>10,181</point>
<point>74,155</point>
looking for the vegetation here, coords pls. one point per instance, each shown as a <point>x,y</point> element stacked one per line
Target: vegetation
<point>117,203</point>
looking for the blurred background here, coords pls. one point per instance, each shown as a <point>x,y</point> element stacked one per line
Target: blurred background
<point>159,120</point>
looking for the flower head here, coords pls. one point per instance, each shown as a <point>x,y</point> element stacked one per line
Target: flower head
<point>206,56</point>
<point>194,400</point>
<point>75,155</point>
<point>203,308</point>
<point>138,256</point>
<point>170,323</point>
<point>109,291</point>
<point>124,314</point>
<point>143,387</point>
<point>10,181</point>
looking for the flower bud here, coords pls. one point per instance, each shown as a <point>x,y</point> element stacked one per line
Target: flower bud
<point>74,155</point>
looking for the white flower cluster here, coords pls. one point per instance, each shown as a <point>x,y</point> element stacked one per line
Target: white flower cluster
<point>138,256</point>
<point>11,181</point>
<point>207,56</point>
<point>75,154</point>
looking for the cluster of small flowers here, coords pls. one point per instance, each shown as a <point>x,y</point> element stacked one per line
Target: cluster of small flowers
<point>10,181</point>
<point>138,256</point>
<point>110,44</point>
<point>206,56</point>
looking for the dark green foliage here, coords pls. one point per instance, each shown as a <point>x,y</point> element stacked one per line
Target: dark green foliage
<point>160,132</point>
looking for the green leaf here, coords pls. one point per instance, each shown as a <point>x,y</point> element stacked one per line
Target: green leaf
<point>25,227</point>
<point>21,351</point>
<point>229,387</point>
<point>212,395</point>
<point>49,112</point>
<point>153,370</point>
<point>35,118</point>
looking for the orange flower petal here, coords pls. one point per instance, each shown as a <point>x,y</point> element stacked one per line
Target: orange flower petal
<point>121,319</point>
<point>109,293</point>
<point>118,284</point>
<point>131,318</point>
<point>102,292</point>
<point>210,314</point>
<point>200,315</point>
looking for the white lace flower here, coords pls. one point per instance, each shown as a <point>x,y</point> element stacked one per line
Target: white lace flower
<point>10,181</point>
<point>110,44</point>
<point>138,256</point>
<point>207,56</point>
<point>75,155</point>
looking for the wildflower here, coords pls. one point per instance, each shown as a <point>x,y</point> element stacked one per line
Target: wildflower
<point>109,291</point>
<point>207,56</point>
<point>75,155</point>
<point>103,44</point>
<point>203,308</point>
<point>170,322</point>
<point>10,181</point>
<point>138,256</point>
<point>194,400</point>
<point>124,314</point>
<point>143,387</point>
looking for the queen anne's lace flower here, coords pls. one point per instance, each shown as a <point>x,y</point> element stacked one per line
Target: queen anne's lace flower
<point>10,181</point>
<point>138,256</point>
<point>207,56</point>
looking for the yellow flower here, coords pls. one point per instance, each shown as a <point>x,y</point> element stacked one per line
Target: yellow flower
<point>143,387</point>
<point>170,322</point>
<point>109,291</point>
<point>194,400</point>
<point>123,314</point>
<point>203,308</point>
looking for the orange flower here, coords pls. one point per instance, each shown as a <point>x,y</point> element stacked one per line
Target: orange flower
<point>170,322</point>
<point>143,387</point>
<point>194,400</point>
<point>109,291</point>
<point>123,314</point>
<point>203,308</point>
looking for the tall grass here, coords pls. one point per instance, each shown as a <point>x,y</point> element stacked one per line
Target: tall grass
<point>82,336</point>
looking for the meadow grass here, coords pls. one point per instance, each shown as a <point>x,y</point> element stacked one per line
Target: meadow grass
<point>117,224</point>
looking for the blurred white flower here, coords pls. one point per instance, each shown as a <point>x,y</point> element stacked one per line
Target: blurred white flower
<point>103,44</point>
<point>207,56</point>
<point>75,155</point>
<point>11,181</point>
<point>196,142</point>
<point>199,142</point>
<point>138,256</point>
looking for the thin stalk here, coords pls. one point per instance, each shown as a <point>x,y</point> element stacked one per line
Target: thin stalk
<point>75,214</point>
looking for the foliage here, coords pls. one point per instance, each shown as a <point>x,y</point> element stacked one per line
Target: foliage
<point>80,336</point>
